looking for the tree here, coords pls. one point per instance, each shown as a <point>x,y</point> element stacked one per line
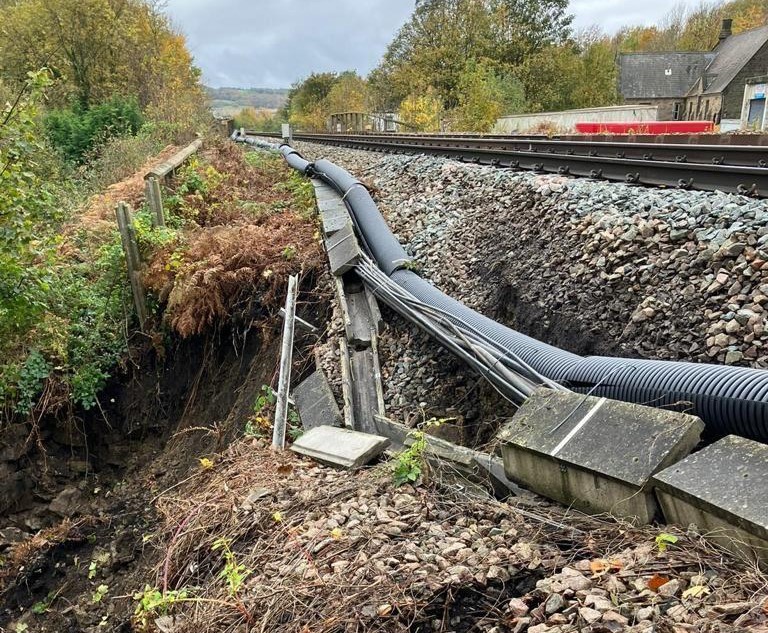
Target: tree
<point>597,81</point>
<point>422,111</point>
<point>26,203</point>
<point>482,98</point>
<point>99,48</point>
<point>433,48</point>
<point>349,93</point>
<point>304,108</point>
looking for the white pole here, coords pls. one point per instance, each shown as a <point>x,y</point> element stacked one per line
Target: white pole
<point>286,359</point>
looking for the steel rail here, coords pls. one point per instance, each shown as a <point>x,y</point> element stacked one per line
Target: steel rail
<point>740,155</point>
<point>704,167</point>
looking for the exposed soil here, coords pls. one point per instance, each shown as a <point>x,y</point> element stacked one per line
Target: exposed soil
<point>77,503</point>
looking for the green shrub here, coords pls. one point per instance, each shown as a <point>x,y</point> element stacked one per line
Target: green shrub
<point>75,132</point>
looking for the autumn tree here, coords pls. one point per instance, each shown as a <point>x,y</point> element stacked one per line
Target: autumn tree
<point>694,28</point>
<point>442,36</point>
<point>597,83</point>
<point>421,111</point>
<point>349,93</point>
<point>484,96</point>
<point>100,48</point>
<point>304,107</point>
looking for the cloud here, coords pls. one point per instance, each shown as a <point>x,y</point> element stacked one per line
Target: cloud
<point>272,43</point>
<point>611,15</point>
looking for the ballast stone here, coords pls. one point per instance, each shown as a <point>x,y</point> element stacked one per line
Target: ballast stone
<point>595,454</point>
<point>315,402</point>
<point>723,490</point>
<point>342,448</point>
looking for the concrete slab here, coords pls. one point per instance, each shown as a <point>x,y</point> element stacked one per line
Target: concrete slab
<point>343,250</point>
<point>723,490</point>
<point>595,454</point>
<point>315,402</point>
<point>342,448</point>
<point>373,309</point>
<point>324,191</point>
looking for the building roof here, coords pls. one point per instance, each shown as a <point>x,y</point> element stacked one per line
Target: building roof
<point>660,75</point>
<point>731,56</point>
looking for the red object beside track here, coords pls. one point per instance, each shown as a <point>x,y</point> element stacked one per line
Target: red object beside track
<point>646,127</point>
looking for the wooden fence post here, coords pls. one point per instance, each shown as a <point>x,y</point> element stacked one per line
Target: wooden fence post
<point>133,263</point>
<point>155,201</point>
<point>286,360</point>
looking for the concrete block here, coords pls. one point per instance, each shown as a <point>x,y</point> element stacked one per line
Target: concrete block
<point>334,217</point>
<point>373,309</point>
<point>315,402</point>
<point>343,250</point>
<point>595,454</point>
<point>723,490</point>
<point>324,191</point>
<point>342,448</point>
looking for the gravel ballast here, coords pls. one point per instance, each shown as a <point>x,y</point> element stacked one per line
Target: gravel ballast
<point>590,266</point>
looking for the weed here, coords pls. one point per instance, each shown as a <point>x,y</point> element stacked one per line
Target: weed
<point>289,252</point>
<point>152,603</point>
<point>262,159</point>
<point>41,606</point>
<point>234,573</point>
<point>410,464</point>
<point>33,374</point>
<point>262,408</point>
<point>664,540</point>
<point>257,426</point>
<point>99,594</point>
<point>98,561</point>
<point>266,398</point>
<point>294,431</point>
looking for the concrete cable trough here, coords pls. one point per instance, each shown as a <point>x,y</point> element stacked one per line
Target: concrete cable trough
<point>730,400</point>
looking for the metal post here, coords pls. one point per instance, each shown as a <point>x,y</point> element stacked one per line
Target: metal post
<point>286,360</point>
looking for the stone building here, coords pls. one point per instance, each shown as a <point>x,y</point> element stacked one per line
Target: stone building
<point>695,86</point>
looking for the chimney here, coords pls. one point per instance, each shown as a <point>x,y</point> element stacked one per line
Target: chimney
<point>726,31</point>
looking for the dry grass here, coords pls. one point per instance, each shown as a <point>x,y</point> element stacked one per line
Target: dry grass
<point>97,220</point>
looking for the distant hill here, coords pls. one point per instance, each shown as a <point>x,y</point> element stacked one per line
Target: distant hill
<point>229,101</point>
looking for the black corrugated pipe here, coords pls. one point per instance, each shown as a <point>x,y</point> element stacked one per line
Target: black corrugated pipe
<point>385,249</point>
<point>728,399</point>
<point>294,159</point>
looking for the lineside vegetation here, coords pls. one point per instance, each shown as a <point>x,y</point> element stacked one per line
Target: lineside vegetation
<point>89,90</point>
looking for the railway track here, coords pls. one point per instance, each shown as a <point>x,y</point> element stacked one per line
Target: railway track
<point>712,167</point>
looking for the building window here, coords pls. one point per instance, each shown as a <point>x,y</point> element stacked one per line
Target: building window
<point>677,111</point>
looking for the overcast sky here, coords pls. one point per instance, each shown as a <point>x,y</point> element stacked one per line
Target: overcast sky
<point>272,43</point>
